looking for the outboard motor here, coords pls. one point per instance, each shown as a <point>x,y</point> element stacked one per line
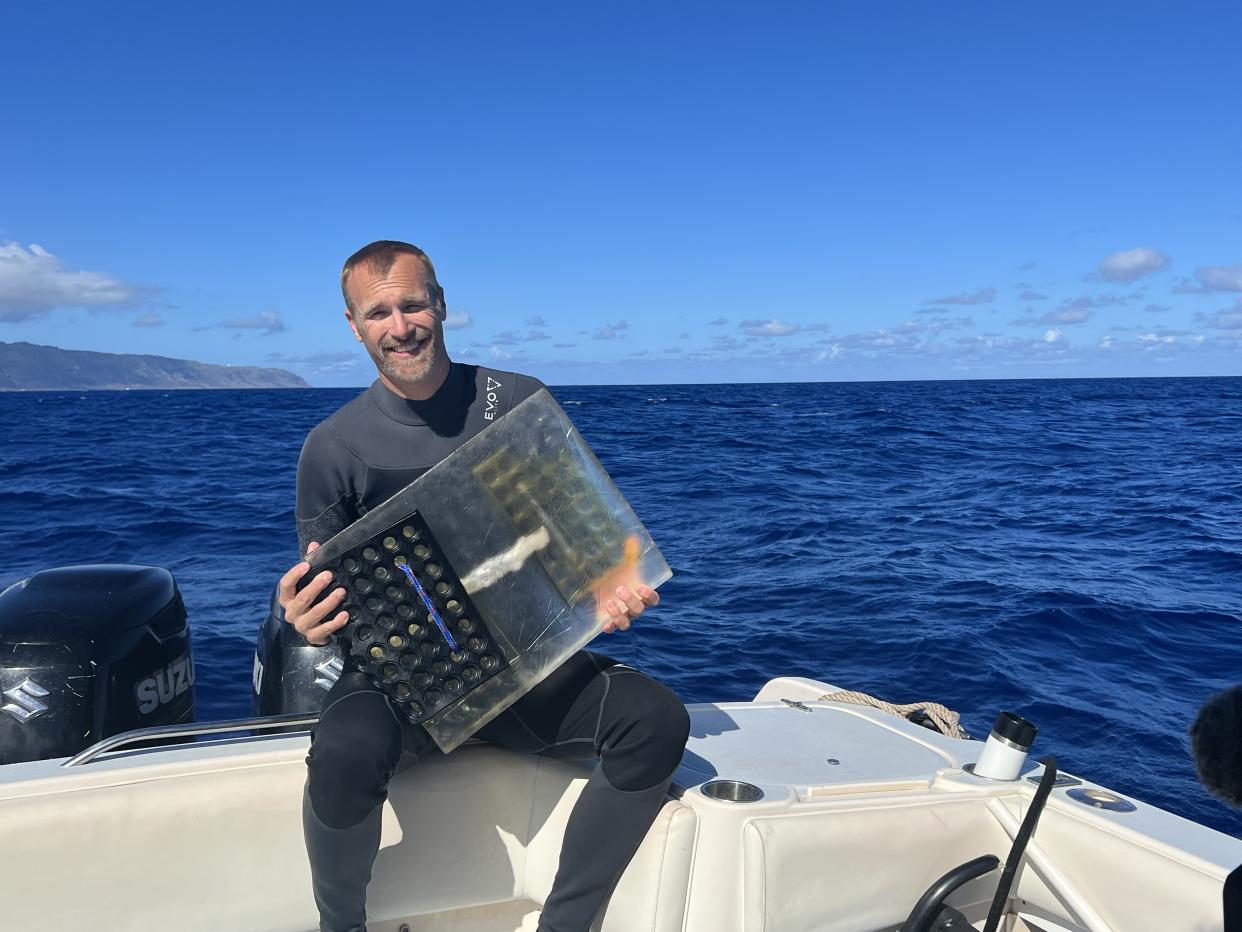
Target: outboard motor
<point>87,652</point>
<point>290,674</point>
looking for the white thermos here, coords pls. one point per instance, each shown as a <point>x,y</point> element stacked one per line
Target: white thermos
<point>1004,752</point>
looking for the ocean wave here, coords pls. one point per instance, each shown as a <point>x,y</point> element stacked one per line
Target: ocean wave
<point>1067,549</point>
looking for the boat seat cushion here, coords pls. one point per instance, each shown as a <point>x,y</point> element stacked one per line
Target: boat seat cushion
<point>652,893</point>
<point>863,869</point>
<point>498,819</point>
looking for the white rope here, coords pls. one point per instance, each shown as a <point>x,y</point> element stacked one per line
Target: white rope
<point>946,720</point>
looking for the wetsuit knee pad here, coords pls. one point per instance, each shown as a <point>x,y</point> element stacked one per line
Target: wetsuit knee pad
<point>354,752</point>
<point>642,731</point>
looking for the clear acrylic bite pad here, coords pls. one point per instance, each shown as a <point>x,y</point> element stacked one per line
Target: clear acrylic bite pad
<point>536,534</point>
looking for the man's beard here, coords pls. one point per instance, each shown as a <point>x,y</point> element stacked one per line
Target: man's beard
<point>410,368</point>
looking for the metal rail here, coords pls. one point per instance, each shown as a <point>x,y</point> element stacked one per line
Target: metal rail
<point>260,723</point>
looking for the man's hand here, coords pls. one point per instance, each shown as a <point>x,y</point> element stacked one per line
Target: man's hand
<point>627,606</point>
<point>306,617</point>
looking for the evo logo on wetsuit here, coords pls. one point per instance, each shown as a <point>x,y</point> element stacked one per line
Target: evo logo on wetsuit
<point>163,686</point>
<point>493,400</point>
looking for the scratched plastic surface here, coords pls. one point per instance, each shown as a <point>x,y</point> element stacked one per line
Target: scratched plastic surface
<point>532,537</point>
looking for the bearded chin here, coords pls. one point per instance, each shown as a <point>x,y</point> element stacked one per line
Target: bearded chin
<point>411,370</point>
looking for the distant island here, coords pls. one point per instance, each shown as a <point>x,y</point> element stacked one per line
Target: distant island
<point>29,367</point>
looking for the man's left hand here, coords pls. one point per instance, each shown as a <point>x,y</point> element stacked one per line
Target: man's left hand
<point>627,606</point>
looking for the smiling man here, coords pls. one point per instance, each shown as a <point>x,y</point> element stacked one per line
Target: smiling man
<point>420,409</point>
<point>401,324</point>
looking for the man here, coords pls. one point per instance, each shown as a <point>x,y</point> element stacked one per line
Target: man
<point>421,408</point>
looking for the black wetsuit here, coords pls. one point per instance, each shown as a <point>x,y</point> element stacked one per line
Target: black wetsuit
<point>590,707</point>
<point>380,442</point>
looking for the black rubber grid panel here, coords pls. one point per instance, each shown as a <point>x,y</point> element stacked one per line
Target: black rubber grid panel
<point>390,635</point>
<point>555,494</point>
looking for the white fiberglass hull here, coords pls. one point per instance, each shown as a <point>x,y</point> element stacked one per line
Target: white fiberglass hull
<point>208,837</point>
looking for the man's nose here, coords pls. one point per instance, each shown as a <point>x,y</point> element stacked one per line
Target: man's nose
<point>400,325</point>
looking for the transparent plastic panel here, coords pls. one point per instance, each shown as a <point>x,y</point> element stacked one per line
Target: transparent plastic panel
<point>538,537</point>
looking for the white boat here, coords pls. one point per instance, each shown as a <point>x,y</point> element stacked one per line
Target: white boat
<point>855,815</point>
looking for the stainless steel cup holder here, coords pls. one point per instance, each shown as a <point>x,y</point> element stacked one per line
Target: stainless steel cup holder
<point>733,791</point>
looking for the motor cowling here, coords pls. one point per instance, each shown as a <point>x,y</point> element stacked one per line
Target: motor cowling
<point>290,674</point>
<point>87,652</point>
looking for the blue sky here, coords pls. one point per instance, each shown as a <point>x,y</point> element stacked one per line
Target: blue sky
<point>663,193</point>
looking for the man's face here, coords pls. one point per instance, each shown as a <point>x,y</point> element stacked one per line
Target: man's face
<point>398,316</point>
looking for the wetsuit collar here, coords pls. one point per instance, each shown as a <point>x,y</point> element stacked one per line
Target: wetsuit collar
<point>408,411</point>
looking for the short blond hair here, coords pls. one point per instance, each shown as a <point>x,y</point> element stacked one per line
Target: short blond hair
<point>381,255</point>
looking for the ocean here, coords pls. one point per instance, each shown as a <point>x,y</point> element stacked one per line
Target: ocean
<point>1070,550</point>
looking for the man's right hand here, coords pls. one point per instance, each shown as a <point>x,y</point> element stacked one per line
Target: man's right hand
<point>301,612</point>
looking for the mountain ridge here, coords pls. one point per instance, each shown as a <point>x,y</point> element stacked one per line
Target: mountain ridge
<point>34,367</point>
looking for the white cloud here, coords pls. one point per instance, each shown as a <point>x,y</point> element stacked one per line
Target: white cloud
<point>1028,295</point>
<point>1100,300</point>
<point>1016,347</point>
<point>982,296</point>
<point>536,322</point>
<point>1227,318</point>
<point>611,331</point>
<point>267,321</point>
<point>871,339</point>
<point>148,320</point>
<point>1067,315</point>
<point>318,364</point>
<point>718,322</point>
<point>768,328</point>
<point>1131,264</point>
<point>1220,277</point>
<point>937,324</point>
<point>509,337</point>
<point>457,320</point>
<point>1160,342</point>
<point>33,281</point>
<point>1184,285</point>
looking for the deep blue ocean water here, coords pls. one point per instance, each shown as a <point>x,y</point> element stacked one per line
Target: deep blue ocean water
<point>1070,550</point>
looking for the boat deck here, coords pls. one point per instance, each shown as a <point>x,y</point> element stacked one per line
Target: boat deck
<point>859,813</point>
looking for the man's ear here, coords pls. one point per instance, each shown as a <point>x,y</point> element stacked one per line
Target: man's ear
<point>442,313</point>
<point>349,318</point>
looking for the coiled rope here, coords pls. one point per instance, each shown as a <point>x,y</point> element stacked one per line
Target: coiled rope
<point>947,721</point>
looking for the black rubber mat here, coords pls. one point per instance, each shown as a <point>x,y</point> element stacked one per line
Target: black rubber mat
<point>424,657</point>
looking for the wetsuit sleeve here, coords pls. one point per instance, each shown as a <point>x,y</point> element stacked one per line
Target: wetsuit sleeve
<point>327,497</point>
<point>524,386</point>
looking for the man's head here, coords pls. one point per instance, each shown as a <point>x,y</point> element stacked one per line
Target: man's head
<point>1216,741</point>
<point>395,308</point>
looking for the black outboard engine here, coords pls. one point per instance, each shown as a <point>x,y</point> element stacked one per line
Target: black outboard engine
<point>290,674</point>
<point>87,652</point>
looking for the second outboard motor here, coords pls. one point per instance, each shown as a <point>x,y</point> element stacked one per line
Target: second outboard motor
<point>290,674</point>
<point>87,652</point>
